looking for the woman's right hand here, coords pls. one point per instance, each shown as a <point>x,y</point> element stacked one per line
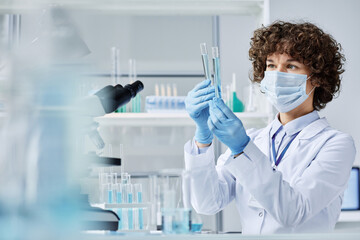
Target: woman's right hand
<point>197,105</point>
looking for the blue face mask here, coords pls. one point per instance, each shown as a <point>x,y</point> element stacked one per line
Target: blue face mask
<point>285,91</point>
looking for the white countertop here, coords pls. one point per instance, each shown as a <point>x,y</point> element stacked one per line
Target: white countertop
<point>140,236</point>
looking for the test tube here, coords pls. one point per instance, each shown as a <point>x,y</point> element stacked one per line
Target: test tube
<point>113,174</point>
<point>216,66</point>
<point>103,193</point>
<point>205,61</point>
<point>175,90</point>
<point>135,102</point>
<point>130,210</point>
<point>162,90</point>
<point>157,94</point>
<point>162,103</point>
<point>228,97</point>
<point>157,90</point>
<point>119,199</point>
<point>140,214</point>
<point>115,57</point>
<point>114,178</point>
<point>138,102</point>
<point>109,193</point>
<point>102,180</point>
<point>124,178</point>
<point>125,218</point>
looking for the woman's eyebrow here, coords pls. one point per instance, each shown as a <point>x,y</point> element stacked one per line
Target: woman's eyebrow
<point>288,60</point>
<point>292,60</point>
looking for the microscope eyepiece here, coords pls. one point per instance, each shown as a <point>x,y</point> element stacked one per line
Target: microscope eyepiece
<point>135,88</point>
<point>114,97</point>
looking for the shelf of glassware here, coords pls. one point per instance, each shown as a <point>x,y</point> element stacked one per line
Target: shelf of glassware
<point>148,7</point>
<point>249,119</point>
<point>121,205</point>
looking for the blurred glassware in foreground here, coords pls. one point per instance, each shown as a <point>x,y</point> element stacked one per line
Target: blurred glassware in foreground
<point>39,161</point>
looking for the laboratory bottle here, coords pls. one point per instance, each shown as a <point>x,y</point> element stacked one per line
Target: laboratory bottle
<point>237,105</point>
<point>196,222</point>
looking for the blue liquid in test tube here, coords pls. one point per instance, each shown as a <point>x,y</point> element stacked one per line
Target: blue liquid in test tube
<point>141,214</point>
<point>216,65</point>
<point>119,211</point>
<point>205,61</point>
<point>110,194</point>
<point>130,213</point>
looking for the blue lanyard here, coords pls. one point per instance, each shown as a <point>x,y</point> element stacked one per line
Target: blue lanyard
<point>277,161</point>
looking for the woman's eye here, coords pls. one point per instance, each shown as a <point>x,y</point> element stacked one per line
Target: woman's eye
<point>270,66</point>
<point>290,66</point>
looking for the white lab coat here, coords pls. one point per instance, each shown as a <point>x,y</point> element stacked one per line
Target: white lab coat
<point>303,195</point>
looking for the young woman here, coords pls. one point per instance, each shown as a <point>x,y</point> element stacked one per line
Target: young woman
<point>290,176</point>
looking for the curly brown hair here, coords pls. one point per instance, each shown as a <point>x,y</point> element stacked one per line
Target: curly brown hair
<point>309,45</point>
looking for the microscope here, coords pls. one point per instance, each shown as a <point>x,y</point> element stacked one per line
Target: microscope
<point>104,101</point>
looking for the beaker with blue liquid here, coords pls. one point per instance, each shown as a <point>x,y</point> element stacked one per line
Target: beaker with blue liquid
<point>176,215</point>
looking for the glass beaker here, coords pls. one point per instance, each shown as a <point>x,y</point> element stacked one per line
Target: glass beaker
<point>175,215</point>
<point>195,219</point>
<point>176,221</point>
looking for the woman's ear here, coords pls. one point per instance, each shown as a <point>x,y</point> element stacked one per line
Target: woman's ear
<point>313,81</point>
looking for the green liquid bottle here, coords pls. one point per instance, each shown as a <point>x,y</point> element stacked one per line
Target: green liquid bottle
<point>237,105</point>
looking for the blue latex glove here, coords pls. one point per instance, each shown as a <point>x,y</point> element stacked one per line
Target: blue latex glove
<point>227,127</point>
<point>197,105</point>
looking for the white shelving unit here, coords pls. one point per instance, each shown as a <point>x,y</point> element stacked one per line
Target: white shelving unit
<point>249,119</point>
<point>145,7</point>
<point>122,205</point>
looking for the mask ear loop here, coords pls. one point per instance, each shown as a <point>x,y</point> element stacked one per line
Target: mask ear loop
<point>313,87</point>
<point>259,85</point>
<point>311,91</point>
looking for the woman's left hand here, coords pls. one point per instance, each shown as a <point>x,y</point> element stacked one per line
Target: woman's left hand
<point>226,126</point>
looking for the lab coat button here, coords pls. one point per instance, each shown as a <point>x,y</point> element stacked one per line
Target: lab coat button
<point>261,214</point>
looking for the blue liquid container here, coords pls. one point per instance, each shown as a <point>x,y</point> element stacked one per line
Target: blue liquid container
<point>196,227</point>
<point>119,211</point>
<point>217,80</point>
<point>141,214</point>
<point>110,196</point>
<point>130,212</point>
<point>205,61</point>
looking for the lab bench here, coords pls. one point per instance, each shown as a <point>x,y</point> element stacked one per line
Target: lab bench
<point>135,236</point>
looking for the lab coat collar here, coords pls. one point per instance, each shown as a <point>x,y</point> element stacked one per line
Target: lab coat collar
<point>308,132</point>
<point>295,125</point>
<point>275,126</point>
<point>313,129</point>
<point>300,123</point>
